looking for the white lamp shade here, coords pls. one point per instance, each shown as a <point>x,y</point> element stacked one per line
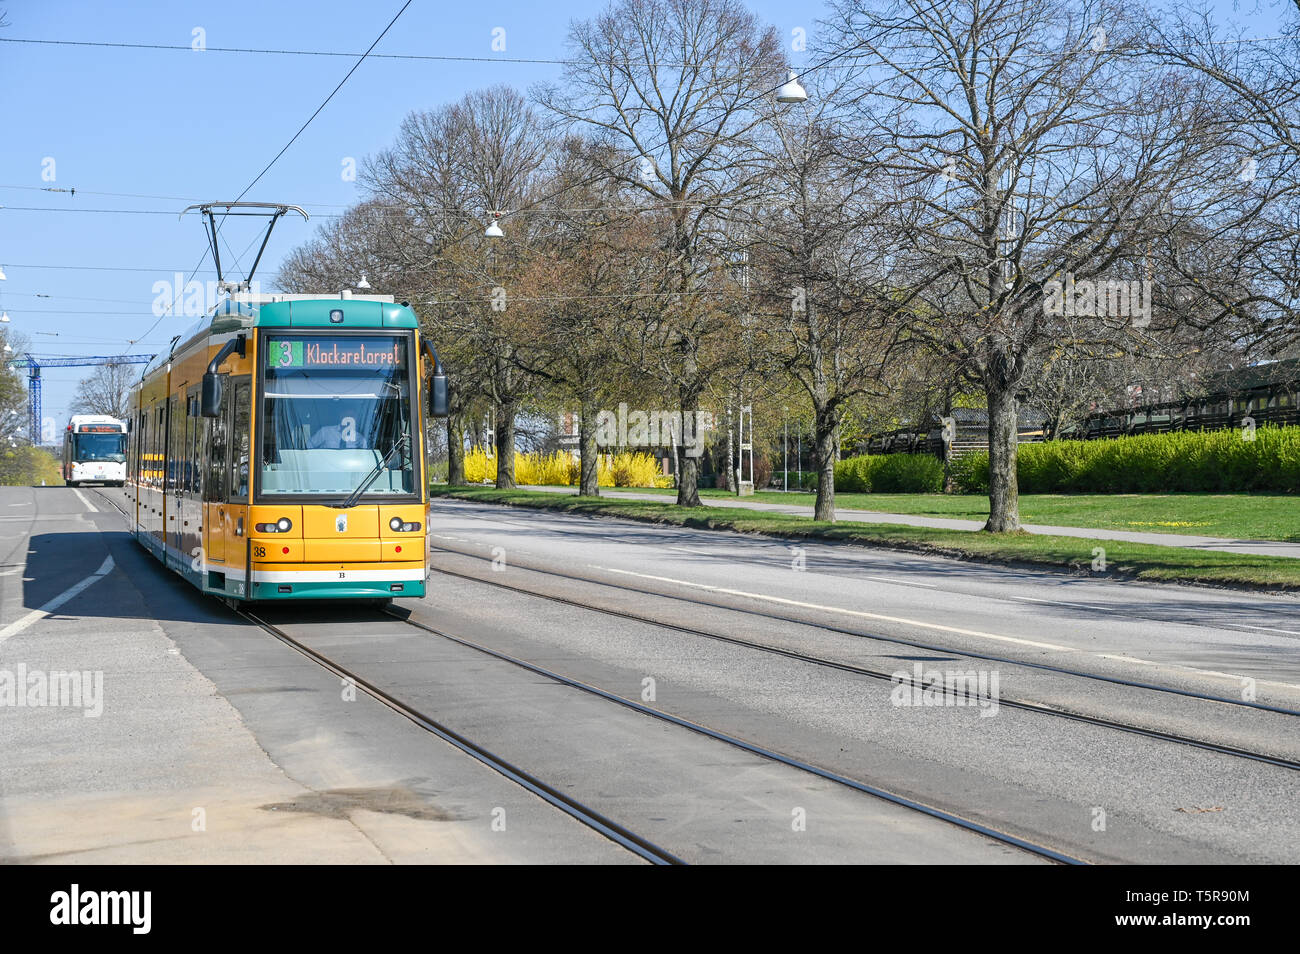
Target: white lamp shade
<point>363,283</point>
<point>494,230</point>
<point>791,91</point>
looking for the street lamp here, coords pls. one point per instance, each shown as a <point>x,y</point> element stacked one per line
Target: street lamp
<point>363,284</point>
<point>494,230</point>
<point>2,275</point>
<point>791,91</point>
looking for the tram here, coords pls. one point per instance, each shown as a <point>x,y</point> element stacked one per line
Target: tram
<point>277,449</point>
<point>94,450</point>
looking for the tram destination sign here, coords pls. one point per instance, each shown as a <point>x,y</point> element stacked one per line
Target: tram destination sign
<point>317,353</point>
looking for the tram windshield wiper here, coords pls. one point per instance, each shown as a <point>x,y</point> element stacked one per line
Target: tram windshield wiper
<point>353,497</point>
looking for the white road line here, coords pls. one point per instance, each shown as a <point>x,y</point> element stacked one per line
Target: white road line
<point>85,500</point>
<point>885,579</point>
<point>840,609</point>
<point>18,625</point>
<point>939,626</point>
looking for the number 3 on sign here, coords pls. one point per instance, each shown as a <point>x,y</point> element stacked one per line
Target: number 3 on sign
<point>286,353</point>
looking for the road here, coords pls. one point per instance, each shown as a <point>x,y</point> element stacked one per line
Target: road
<point>727,698</point>
<point>1282,548</point>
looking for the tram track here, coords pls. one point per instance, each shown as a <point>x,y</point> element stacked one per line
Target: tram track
<point>1014,841</point>
<point>575,809</point>
<point>880,674</point>
<point>590,817</point>
<point>860,634</point>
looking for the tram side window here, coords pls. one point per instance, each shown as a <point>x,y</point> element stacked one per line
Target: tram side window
<point>196,446</point>
<point>175,441</point>
<point>141,444</point>
<point>159,436</point>
<point>216,482</point>
<point>239,441</point>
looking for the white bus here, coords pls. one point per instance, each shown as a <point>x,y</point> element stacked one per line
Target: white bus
<point>94,450</point>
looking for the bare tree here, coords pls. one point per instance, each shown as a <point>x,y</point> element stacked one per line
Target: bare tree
<point>1034,152</point>
<point>822,247</point>
<point>107,390</point>
<point>665,88</point>
<point>13,397</point>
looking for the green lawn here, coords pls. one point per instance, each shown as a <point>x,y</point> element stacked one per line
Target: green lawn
<point>1124,560</point>
<point>1240,516</point>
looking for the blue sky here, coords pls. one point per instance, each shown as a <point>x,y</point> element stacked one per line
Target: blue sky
<point>190,126</point>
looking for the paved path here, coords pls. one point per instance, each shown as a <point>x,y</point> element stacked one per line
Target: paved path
<point>1261,547</point>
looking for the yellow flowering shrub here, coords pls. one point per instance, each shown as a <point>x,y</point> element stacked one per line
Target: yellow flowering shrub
<point>559,469</point>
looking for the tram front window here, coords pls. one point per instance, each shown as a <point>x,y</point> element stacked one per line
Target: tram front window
<point>108,447</point>
<point>333,409</point>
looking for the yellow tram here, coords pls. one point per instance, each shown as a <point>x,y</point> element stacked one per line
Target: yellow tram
<point>277,450</point>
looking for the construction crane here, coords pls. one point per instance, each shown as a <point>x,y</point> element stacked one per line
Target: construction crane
<point>33,366</point>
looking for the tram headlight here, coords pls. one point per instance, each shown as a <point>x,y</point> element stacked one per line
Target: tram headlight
<point>283,525</point>
<point>397,525</point>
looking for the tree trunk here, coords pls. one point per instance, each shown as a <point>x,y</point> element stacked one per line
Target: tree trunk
<point>826,425</point>
<point>688,466</point>
<point>505,445</point>
<point>1004,437</point>
<point>588,466</point>
<point>455,450</point>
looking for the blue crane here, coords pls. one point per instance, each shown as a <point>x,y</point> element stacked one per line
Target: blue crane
<point>34,366</point>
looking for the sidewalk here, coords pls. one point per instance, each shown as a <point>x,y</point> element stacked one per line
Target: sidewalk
<point>1187,541</point>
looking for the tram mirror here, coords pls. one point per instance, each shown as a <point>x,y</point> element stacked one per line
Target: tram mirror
<point>210,402</point>
<point>438,396</point>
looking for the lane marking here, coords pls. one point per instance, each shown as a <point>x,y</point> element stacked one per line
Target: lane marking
<point>70,517</point>
<point>1114,657</point>
<point>19,625</point>
<point>885,579</point>
<point>839,609</point>
<point>1014,577</point>
<point>85,500</point>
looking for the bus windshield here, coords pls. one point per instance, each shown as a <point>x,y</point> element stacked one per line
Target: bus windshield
<point>334,406</point>
<point>97,447</point>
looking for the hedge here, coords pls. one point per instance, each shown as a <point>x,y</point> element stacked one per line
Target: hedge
<point>1180,461</point>
<point>889,474</point>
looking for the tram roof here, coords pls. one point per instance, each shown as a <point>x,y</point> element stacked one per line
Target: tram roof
<point>244,311</point>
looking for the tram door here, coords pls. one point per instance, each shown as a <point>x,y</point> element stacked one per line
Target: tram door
<point>191,515</point>
<point>216,519</point>
<point>240,441</point>
<point>175,479</point>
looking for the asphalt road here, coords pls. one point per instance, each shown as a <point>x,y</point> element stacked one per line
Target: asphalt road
<point>205,716</point>
<point>850,515</point>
